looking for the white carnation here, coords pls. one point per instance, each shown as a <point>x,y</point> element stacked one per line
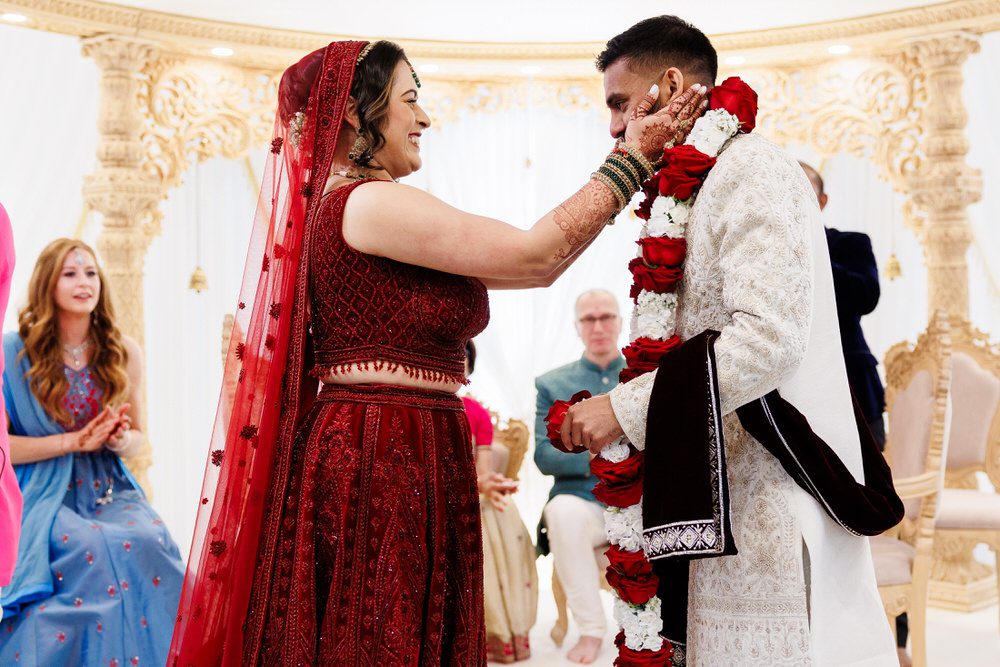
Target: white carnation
<point>662,206</point>
<point>633,331</point>
<point>667,219</point>
<point>713,130</point>
<point>679,214</point>
<point>655,315</point>
<point>624,527</point>
<point>616,452</point>
<point>641,623</point>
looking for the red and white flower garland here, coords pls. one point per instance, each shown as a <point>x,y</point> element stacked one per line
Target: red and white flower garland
<point>669,196</point>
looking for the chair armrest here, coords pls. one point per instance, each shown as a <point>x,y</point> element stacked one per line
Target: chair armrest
<point>917,486</point>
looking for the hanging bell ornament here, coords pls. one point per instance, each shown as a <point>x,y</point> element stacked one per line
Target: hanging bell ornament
<point>199,281</point>
<point>892,268</point>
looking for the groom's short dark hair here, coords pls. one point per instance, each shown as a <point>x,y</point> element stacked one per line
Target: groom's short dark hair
<point>660,42</point>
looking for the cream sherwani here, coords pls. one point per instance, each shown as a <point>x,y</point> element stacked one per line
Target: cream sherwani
<point>802,590</point>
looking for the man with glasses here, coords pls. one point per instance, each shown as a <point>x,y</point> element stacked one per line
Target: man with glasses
<point>573,522</point>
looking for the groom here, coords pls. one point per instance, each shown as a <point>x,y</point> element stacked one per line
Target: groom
<point>801,590</point>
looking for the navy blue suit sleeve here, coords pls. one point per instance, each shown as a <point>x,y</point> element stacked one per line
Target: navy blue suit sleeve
<point>855,274</point>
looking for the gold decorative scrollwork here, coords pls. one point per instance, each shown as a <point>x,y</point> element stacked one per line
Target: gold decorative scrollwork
<point>446,100</point>
<point>199,110</point>
<point>870,107</point>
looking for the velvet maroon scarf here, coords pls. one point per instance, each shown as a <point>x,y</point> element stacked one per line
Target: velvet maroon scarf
<point>686,512</point>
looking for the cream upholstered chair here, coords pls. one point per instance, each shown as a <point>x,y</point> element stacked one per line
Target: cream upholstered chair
<point>969,516</point>
<point>510,444</point>
<point>917,401</point>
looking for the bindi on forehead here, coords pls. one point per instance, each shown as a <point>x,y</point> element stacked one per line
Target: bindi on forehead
<point>78,259</point>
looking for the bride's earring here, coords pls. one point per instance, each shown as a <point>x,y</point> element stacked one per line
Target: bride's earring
<point>358,150</point>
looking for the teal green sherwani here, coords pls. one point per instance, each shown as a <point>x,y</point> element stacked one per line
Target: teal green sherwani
<point>571,471</point>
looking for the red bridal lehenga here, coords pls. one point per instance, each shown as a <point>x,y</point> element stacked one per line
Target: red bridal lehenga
<point>338,527</point>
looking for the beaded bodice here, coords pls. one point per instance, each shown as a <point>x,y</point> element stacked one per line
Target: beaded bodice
<point>379,313</point>
<point>83,398</point>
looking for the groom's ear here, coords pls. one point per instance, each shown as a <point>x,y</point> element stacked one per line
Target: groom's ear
<point>671,85</point>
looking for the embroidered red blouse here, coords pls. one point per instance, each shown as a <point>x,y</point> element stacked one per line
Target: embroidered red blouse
<point>380,313</point>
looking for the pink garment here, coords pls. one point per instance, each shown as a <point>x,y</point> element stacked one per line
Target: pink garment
<point>479,422</point>
<point>10,493</point>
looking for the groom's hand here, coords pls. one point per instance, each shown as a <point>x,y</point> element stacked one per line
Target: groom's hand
<point>592,424</point>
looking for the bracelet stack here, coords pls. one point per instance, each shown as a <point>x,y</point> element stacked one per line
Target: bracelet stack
<point>624,171</point>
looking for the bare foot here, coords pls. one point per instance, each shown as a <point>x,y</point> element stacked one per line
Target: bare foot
<point>904,658</point>
<point>585,651</point>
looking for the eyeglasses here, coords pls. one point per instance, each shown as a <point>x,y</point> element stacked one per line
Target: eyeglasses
<point>590,320</point>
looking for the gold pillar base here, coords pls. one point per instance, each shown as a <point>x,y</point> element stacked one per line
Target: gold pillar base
<point>969,596</point>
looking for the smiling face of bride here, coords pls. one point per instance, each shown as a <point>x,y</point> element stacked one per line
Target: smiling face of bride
<point>404,122</point>
<point>385,113</point>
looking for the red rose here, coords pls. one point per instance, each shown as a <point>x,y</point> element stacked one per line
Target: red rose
<point>631,575</point>
<point>629,658</point>
<point>684,168</point>
<point>644,354</point>
<point>658,279</point>
<point>663,251</point>
<point>619,484</point>
<point>554,422</point>
<point>739,99</point>
<point>646,206</point>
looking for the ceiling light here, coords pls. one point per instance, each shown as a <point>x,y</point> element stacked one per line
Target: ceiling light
<point>14,18</point>
<point>222,51</point>
<point>531,69</point>
<point>839,49</point>
<point>735,60</point>
<point>429,68</point>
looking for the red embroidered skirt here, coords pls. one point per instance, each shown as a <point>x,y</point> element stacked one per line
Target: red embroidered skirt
<point>380,556</point>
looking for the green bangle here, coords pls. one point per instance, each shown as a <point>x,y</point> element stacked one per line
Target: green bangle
<point>628,169</point>
<point>618,180</point>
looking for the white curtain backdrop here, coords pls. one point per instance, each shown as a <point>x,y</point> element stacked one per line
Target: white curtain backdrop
<point>514,165</point>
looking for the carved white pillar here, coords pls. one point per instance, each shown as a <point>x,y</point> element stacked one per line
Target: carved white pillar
<point>120,190</point>
<point>945,184</point>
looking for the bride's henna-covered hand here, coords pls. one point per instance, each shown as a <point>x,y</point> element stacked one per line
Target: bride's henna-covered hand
<point>583,215</point>
<point>670,125</point>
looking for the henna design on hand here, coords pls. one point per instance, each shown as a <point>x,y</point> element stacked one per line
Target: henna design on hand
<point>669,126</point>
<point>583,215</point>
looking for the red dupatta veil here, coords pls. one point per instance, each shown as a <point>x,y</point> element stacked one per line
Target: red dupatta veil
<point>224,598</point>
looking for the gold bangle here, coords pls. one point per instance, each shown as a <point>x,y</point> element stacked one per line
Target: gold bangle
<point>611,185</point>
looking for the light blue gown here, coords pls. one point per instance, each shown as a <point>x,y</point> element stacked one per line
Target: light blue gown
<point>109,590</point>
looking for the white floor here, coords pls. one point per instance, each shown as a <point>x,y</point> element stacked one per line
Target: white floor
<point>954,639</point>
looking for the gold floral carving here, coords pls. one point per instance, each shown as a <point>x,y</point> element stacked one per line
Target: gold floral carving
<point>870,107</point>
<point>944,184</point>
<point>126,197</point>
<point>196,110</point>
<point>447,100</point>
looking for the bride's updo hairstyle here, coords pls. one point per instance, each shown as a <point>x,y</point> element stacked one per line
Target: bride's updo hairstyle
<point>371,89</point>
